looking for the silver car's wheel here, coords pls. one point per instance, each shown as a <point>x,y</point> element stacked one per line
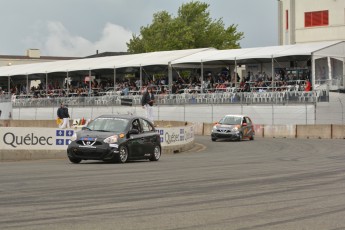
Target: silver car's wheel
<point>240,138</point>
<point>156,153</point>
<point>123,154</point>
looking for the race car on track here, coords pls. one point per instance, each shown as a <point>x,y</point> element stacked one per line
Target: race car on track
<point>234,127</point>
<point>115,138</point>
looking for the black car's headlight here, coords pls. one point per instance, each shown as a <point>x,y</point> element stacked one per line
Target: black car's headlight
<point>111,139</point>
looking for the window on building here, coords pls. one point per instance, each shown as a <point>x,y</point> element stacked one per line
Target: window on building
<point>316,18</point>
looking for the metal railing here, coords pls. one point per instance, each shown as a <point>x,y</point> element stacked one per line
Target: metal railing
<point>283,97</point>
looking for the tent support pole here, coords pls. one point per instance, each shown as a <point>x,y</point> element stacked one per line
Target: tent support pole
<point>46,84</point>
<point>114,79</point>
<point>170,77</point>
<point>313,80</point>
<point>67,74</point>
<point>141,77</point>
<point>273,75</point>
<point>90,83</point>
<point>27,84</point>
<point>9,85</point>
<point>202,76</point>
<point>235,72</point>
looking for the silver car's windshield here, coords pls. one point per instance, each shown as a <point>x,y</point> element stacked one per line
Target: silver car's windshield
<point>230,120</point>
<point>116,125</point>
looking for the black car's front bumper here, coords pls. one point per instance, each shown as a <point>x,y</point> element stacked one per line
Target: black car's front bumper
<point>89,152</point>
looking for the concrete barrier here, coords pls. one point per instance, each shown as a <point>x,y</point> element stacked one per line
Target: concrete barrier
<point>43,140</point>
<point>199,128</point>
<point>259,130</point>
<point>314,131</point>
<point>169,130</point>
<point>208,128</point>
<point>280,131</point>
<point>292,131</point>
<point>338,131</point>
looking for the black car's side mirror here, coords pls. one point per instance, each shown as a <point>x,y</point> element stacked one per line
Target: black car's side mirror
<point>133,131</point>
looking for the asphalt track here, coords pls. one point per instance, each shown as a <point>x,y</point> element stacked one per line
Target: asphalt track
<point>261,184</point>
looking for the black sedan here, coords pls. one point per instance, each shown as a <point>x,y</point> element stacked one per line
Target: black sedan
<point>115,138</point>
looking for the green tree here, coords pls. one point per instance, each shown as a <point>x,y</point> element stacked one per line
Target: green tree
<point>192,28</point>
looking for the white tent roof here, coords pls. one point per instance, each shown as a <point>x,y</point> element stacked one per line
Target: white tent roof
<point>131,60</point>
<point>256,53</point>
<point>206,55</point>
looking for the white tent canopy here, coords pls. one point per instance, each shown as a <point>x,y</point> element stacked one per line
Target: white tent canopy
<point>168,57</point>
<point>313,51</point>
<point>131,60</point>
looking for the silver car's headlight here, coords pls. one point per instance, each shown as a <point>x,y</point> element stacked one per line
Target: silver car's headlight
<point>111,139</point>
<point>74,137</point>
<point>234,129</point>
<point>214,129</point>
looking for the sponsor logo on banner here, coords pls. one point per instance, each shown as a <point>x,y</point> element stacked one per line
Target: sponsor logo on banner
<point>171,137</point>
<point>16,140</point>
<point>63,137</point>
<point>36,138</point>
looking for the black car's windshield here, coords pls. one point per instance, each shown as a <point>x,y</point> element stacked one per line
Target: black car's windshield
<point>230,120</point>
<point>101,124</point>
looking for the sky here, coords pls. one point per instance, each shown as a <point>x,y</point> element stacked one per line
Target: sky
<point>76,28</point>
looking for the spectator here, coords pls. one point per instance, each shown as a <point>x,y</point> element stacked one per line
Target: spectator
<point>147,101</point>
<point>63,114</point>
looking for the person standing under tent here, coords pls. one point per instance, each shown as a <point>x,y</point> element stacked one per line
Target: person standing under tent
<point>147,101</point>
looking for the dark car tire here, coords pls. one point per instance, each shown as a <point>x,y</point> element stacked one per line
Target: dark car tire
<point>251,138</point>
<point>156,153</point>
<point>123,154</point>
<point>74,160</point>
<point>213,139</point>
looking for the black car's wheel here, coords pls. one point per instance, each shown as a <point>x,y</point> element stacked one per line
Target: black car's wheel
<point>74,160</point>
<point>123,154</point>
<point>213,138</point>
<point>251,137</point>
<point>240,137</point>
<point>156,153</point>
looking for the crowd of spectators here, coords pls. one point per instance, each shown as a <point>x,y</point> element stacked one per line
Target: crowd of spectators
<point>211,83</point>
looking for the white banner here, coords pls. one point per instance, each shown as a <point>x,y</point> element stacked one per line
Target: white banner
<point>29,138</point>
<point>176,135</point>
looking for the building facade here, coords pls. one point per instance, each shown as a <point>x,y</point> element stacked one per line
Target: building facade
<point>32,56</point>
<point>302,21</point>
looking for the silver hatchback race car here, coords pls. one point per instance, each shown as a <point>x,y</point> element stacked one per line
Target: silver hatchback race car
<point>234,127</point>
